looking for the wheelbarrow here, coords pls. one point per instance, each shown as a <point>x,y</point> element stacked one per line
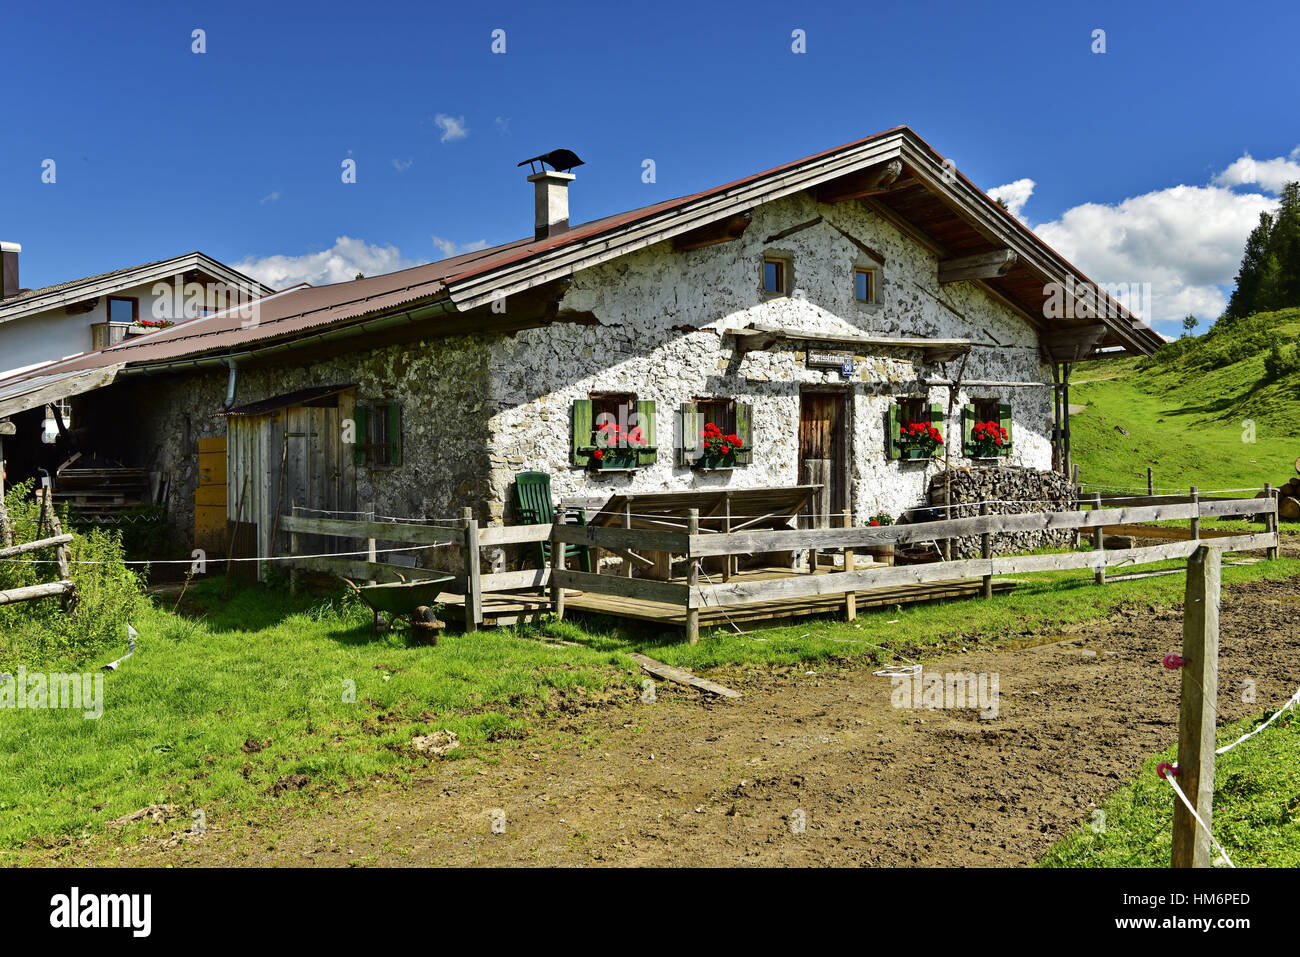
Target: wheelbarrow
<point>409,601</point>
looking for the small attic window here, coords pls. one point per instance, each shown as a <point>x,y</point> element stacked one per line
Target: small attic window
<point>776,274</point>
<point>864,284</point>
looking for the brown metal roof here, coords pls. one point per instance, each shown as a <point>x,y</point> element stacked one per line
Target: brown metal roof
<point>288,314</point>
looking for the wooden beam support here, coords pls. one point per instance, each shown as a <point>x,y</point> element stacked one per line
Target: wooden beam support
<point>867,182</point>
<point>980,266</point>
<point>723,231</point>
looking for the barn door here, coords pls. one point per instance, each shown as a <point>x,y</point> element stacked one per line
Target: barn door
<point>319,477</point>
<point>823,449</point>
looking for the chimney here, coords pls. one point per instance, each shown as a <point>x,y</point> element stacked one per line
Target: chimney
<point>551,191</point>
<point>551,203</point>
<point>9,269</point>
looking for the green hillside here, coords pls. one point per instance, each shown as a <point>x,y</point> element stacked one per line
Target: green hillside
<point>1187,410</point>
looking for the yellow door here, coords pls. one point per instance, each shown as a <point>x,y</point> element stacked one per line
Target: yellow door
<point>210,496</point>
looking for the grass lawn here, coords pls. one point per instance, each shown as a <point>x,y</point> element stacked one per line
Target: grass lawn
<point>1256,808</point>
<point>222,701</point>
<point>1187,418</point>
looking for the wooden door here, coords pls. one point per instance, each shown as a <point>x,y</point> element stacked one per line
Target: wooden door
<point>210,497</point>
<point>823,453</point>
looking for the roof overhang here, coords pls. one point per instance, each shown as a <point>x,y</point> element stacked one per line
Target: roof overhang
<point>978,239</point>
<point>42,390</point>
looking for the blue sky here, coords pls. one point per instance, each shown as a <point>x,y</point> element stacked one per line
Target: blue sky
<point>238,151</point>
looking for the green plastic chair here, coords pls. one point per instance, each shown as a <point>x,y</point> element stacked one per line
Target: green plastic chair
<point>533,506</point>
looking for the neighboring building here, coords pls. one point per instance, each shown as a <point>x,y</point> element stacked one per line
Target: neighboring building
<point>812,310</point>
<point>54,322</point>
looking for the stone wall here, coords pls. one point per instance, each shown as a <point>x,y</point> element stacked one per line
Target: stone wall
<point>441,384</point>
<point>1015,491</point>
<point>479,409</point>
<point>659,335</point>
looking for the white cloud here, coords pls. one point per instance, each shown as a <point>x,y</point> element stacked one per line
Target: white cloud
<point>340,263</point>
<point>449,248</point>
<point>270,198</point>
<point>1015,195</point>
<point>1185,241</point>
<point>453,127</point>
<point>503,125</point>
<point>1271,174</point>
<point>403,165</point>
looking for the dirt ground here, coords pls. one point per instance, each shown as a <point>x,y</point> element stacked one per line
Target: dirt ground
<point>694,780</point>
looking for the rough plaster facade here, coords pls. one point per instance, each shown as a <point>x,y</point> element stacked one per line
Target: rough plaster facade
<point>660,312</point>
<point>479,409</point>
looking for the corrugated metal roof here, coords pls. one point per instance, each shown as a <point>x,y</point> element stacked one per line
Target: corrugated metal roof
<point>295,311</point>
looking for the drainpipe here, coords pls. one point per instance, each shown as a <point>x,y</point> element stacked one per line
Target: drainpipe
<point>231,383</point>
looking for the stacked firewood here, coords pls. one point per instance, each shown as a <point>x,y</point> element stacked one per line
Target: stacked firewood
<point>1288,499</point>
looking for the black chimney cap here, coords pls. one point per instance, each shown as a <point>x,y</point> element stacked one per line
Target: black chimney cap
<point>562,160</point>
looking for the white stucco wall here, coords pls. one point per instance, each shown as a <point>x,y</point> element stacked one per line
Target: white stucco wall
<point>54,334</point>
<point>659,313</point>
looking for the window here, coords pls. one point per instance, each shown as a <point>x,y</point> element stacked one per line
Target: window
<point>864,285</point>
<point>379,434</point>
<point>123,309</point>
<point>704,429</point>
<point>613,430</point>
<point>717,412</point>
<point>776,275</point>
<point>902,414</point>
<point>612,408</point>
<point>914,410</point>
<point>979,412</point>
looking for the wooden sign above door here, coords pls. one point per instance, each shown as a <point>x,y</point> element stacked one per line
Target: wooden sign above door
<point>823,359</point>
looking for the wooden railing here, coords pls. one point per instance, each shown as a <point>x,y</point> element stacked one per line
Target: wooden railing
<point>694,544</point>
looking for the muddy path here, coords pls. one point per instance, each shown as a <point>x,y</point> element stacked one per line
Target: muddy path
<point>691,780</point>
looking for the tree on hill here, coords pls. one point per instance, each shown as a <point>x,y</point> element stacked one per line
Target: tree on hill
<point>1269,276</point>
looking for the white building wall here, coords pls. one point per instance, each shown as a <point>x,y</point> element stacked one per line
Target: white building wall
<point>659,315</point>
<point>54,334</point>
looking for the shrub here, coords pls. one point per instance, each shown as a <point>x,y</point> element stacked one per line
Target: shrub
<point>108,593</point>
<point>1281,362</point>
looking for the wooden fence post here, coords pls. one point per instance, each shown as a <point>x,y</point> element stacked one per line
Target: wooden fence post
<point>1151,482</point>
<point>557,568</point>
<point>293,550</point>
<point>1196,516</point>
<point>692,579</point>
<point>1270,519</point>
<point>473,586</point>
<point>850,599</point>
<point>986,551</point>
<point>1196,710</point>
<point>1099,543</point>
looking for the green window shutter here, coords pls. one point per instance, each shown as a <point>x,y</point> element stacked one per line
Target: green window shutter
<point>690,422</point>
<point>967,429</point>
<point>645,418</point>
<point>893,420</point>
<point>1004,420</point>
<point>581,431</point>
<point>361,432</point>
<point>394,412</point>
<point>745,432</point>
<point>936,419</point>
